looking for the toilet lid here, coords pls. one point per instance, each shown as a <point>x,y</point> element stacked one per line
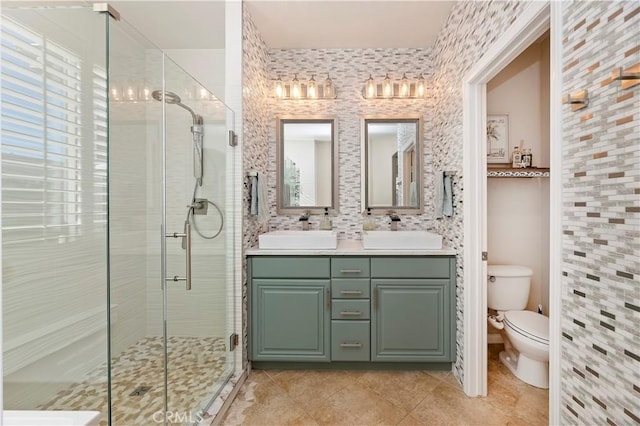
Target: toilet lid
<point>529,324</point>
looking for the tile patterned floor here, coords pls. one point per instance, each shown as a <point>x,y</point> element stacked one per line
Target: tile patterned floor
<point>280,397</point>
<point>196,366</point>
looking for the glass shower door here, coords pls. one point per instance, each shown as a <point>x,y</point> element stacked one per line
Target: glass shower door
<point>168,167</point>
<point>196,303</point>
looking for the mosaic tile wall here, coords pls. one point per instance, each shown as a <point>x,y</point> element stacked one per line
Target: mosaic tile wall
<point>255,139</point>
<point>601,217</point>
<point>458,47</point>
<point>349,68</point>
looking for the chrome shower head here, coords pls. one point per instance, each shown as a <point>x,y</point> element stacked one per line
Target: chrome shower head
<point>168,97</point>
<point>196,129</point>
<point>172,98</point>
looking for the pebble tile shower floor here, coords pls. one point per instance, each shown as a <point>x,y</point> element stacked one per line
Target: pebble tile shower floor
<point>196,365</point>
<point>285,397</point>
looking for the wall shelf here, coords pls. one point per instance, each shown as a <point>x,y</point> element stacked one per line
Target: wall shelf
<point>508,172</point>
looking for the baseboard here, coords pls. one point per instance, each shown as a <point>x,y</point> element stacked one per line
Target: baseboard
<point>494,338</point>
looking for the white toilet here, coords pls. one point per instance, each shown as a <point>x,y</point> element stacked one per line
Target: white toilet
<point>525,333</point>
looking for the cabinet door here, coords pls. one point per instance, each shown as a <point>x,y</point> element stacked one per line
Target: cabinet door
<point>290,320</point>
<point>411,320</point>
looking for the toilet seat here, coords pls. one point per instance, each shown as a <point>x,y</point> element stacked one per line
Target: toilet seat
<point>528,324</point>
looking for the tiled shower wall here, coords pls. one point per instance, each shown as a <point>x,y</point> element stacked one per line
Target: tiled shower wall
<point>601,217</point>
<point>470,29</point>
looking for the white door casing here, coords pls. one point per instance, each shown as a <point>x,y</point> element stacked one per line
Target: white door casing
<point>534,20</point>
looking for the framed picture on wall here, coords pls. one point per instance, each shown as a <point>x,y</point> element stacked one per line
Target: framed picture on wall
<point>498,138</point>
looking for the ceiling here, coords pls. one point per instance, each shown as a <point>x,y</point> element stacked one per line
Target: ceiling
<point>291,24</point>
<point>303,24</point>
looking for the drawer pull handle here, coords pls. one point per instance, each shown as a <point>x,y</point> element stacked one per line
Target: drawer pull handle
<point>350,271</point>
<point>351,345</point>
<point>351,313</point>
<point>350,291</point>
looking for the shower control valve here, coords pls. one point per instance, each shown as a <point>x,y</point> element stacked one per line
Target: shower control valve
<point>199,206</point>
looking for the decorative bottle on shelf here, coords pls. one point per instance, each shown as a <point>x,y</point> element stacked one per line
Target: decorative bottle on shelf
<point>527,158</point>
<point>516,158</point>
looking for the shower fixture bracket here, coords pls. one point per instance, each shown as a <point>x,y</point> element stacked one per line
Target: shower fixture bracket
<point>233,341</point>
<point>200,206</point>
<point>233,138</point>
<point>106,8</point>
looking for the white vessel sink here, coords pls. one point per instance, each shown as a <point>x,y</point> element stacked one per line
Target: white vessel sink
<point>298,240</point>
<point>401,240</point>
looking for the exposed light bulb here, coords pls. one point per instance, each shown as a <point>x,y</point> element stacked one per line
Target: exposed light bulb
<point>404,86</point>
<point>295,87</point>
<point>312,88</point>
<point>130,93</point>
<point>203,93</point>
<point>370,87</point>
<point>115,94</point>
<point>279,88</point>
<point>420,87</point>
<point>145,94</point>
<point>387,86</point>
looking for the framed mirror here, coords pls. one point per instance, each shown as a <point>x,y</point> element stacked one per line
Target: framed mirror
<point>392,164</point>
<point>307,164</point>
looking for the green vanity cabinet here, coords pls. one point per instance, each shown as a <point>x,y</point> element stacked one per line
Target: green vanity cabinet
<point>377,310</point>
<point>290,309</point>
<point>413,306</point>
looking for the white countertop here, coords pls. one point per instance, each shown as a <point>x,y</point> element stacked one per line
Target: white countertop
<point>349,248</point>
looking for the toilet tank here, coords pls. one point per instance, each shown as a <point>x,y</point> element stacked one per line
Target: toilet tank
<point>508,287</point>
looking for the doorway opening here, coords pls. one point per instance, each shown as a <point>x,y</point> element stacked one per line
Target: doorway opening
<point>535,20</point>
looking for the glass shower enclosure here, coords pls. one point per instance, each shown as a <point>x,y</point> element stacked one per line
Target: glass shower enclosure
<point>117,229</point>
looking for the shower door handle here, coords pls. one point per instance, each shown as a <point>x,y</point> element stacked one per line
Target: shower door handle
<point>187,230</point>
<point>187,236</point>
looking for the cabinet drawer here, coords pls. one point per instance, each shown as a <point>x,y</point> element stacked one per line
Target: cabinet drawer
<point>350,267</point>
<point>290,267</point>
<point>410,267</point>
<point>350,341</point>
<point>350,309</point>
<point>350,288</point>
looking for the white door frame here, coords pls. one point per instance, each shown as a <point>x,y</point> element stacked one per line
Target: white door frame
<point>534,20</point>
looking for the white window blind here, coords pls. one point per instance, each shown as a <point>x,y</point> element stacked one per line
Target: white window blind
<point>43,144</point>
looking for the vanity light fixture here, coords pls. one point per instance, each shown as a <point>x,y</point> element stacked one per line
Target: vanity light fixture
<point>329,90</point>
<point>279,86</point>
<point>420,87</point>
<point>577,100</point>
<point>401,89</point>
<point>627,77</point>
<point>295,87</point>
<point>370,87</point>
<point>404,86</point>
<point>312,88</point>
<point>301,89</point>
<point>131,91</point>
<point>387,87</point>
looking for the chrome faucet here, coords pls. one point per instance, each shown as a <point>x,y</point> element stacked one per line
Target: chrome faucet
<point>304,218</point>
<point>394,220</point>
